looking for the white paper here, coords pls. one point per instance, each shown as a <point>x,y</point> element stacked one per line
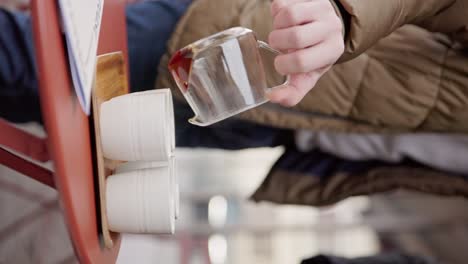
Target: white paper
<point>82,23</point>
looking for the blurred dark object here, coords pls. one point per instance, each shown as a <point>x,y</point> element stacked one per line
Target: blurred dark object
<point>392,258</point>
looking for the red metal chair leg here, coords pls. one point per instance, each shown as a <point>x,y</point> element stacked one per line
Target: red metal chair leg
<point>27,168</point>
<point>23,142</point>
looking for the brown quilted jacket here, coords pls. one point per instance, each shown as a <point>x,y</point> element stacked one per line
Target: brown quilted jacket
<point>405,69</point>
<point>401,77</point>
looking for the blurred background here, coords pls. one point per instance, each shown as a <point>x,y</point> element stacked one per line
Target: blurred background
<point>219,225</point>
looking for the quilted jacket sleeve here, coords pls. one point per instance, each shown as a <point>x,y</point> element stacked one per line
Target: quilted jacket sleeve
<point>367,21</point>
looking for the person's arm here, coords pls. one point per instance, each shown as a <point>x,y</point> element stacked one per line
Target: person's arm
<point>367,21</point>
<point>314,35</point>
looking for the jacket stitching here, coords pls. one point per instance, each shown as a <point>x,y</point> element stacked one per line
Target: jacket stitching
<point>359,88</point>
<point>432,109</point>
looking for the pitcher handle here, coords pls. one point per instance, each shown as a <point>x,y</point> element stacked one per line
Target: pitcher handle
<point>194,121</point>
<point>265,46</point>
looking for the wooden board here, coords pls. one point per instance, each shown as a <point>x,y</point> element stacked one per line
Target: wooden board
<point>111,81</point>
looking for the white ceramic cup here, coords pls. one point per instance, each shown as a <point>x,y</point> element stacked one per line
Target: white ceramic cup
<point>171,164</point>
<point>141,201</point>
<point>138,126</point>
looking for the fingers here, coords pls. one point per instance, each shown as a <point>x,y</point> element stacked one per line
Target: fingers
<point>310,32</point>
<point>292,93</point>
<point>310,59</point>
<point>300,13</point>
<point>277,5</point>
<point>299,37</point>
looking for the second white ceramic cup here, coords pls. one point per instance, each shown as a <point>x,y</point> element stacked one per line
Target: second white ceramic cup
<point>138,126</point>
<point>141,201</point>
<point>171,165</point>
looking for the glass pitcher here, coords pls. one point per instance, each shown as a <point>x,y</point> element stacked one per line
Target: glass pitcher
<point>222,75</point>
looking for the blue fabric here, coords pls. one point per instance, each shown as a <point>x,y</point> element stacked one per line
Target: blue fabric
<point>19,99</point>
<point>149,27</point>
<point>316,163</point>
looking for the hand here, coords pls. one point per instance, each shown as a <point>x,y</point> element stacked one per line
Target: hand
<point>309,33</point>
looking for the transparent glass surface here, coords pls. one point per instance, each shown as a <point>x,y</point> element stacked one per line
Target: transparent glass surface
<point>224,77</point>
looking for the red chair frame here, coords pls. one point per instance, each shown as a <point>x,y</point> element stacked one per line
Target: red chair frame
<point>68,144</point>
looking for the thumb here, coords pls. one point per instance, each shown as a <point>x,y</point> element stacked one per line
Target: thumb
<point>298,85</point>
